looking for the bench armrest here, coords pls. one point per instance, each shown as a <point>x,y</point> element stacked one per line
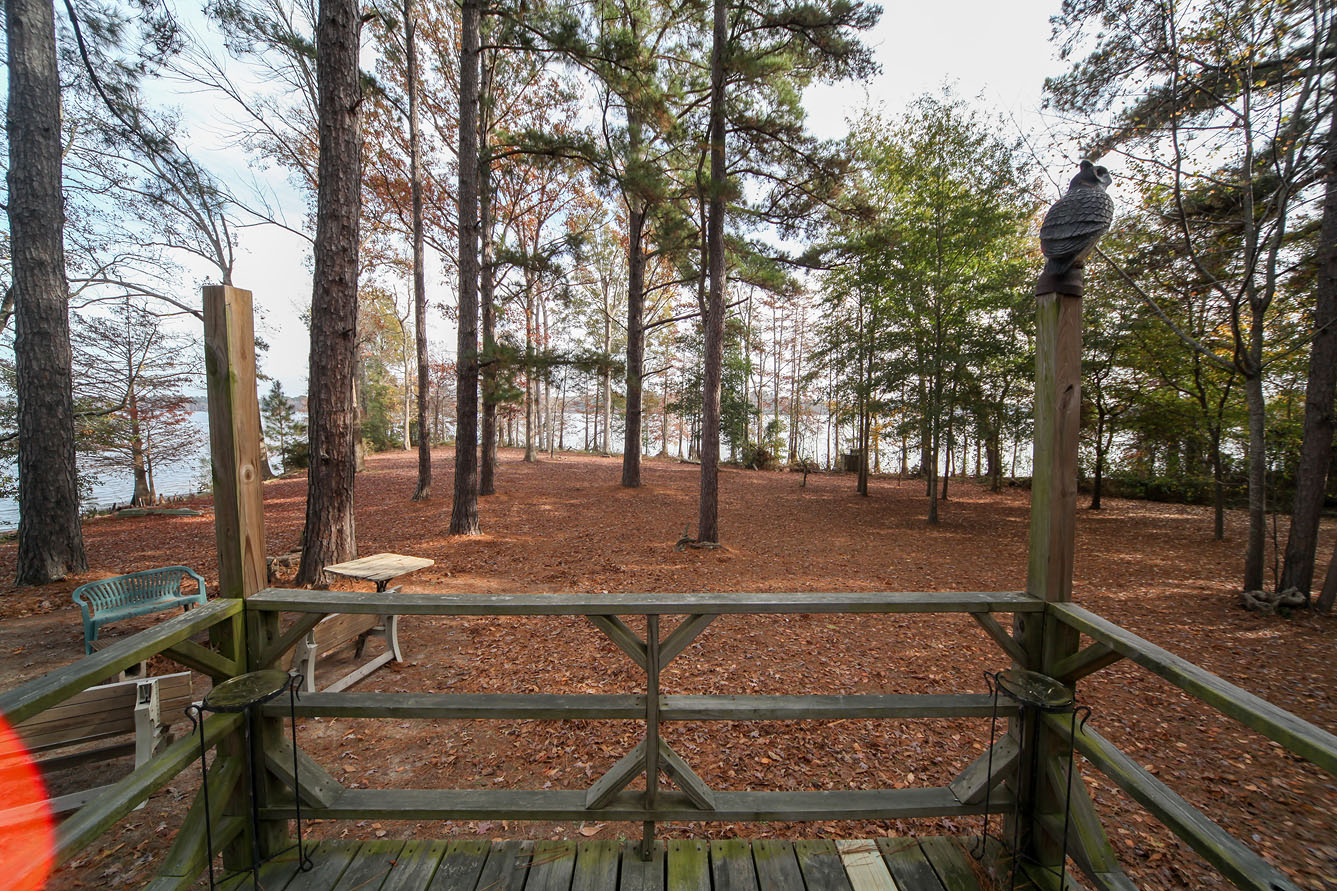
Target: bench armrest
<point>84,609</point>
<point>199,580</point>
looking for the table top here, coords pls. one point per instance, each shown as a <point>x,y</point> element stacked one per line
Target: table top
<point>379,567</point>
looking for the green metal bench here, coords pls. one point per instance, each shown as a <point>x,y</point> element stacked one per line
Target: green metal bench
<point>136,594</point>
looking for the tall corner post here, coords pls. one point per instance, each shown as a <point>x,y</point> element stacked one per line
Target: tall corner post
<point>1058,376</point>
<point>239,525</point>
<point>234,440</point>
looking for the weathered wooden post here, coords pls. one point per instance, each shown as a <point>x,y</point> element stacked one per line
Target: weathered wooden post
<point>239,523</point>
<point>1058,353</point>
<point>1041,821</point>
<point>234,440</point>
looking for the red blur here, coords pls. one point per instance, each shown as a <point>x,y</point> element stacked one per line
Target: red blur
<point>27,836</point>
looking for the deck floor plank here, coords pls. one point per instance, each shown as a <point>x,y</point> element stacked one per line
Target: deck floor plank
<point>688,865</point>
<point>950,859</point>
<point>777,865</point>
<point>638,874</point>
<point>460,866</point>
<point>886,864</point>
<point>864,866</point>
<point>731,867</point>
<point>908,865</point>
<point>551,868</point>
<point>596,866</point>
<point>507,866</point>
<point>371,866</point>
<point>821,865</point>
<point>275,875</point>
<point>329,861</point>
<point>415,865</point>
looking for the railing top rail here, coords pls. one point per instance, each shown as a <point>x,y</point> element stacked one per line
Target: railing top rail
<point>1231,857</point>
<point>1296,734</point>
<point>427,604</point>
<point>40,693</point>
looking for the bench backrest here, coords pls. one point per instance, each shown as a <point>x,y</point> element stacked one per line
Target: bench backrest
<point>101,712</point>
<point>114,594</point>
<point>335,630</point>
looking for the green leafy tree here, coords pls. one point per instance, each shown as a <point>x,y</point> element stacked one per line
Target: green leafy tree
<point>930,280</point>
<point>1223,135</point>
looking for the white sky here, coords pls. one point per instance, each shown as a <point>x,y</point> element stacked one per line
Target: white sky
<point>993,51</point>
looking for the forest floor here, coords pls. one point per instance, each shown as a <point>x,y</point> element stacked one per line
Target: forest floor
<point>565,525</point>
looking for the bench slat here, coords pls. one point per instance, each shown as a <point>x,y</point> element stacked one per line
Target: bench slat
<point>102,711</point>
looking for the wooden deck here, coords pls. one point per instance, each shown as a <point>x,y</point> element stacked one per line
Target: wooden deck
<point>885,864</point>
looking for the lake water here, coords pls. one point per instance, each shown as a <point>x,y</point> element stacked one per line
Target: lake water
<point>180,478</point>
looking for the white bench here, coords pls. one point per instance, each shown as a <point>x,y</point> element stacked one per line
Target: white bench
<point>144,707</point>
<point>337,630</point>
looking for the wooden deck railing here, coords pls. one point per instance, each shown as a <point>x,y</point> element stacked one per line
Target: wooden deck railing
<point>608,798</point>
<point>1111,643</point>
<point>222,619</point>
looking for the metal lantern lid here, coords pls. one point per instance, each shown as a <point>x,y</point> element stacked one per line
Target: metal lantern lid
<point>1030,688</point>
<point>239,693</point>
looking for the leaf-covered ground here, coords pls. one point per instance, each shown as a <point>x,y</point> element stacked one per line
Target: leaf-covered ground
<point>565,526</point>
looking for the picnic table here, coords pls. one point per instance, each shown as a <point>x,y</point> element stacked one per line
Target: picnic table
<point>380,568</point>
<point>336,630</point>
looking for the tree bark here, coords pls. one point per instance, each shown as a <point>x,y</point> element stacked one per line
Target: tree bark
<point>464,510</point>
<point>531,391</point>
<point>1100,460</point>
<point>1311,478</point>
<point>407,402</point>
<point>708,519</point>
<point>631,435</point>
<point>330,535</point>
<point>487,472</point>
<point>605,381</point>
<point>1329,593</point>
<point>1253,555</point>
<point>1218,487</point>
<point>424,488</point>
<point>143,493</point>
<point>51,543</point>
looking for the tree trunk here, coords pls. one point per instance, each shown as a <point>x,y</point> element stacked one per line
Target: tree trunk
<point>359,388</point>
<point>631,435</point>
<point>549,425</point>
<point>1218,489</point>
<point>951,461</point>
<point>663,419</point>
<point>1329,593</point>
<point>561,428</point>
<point>408,383</point>
<point>530,394</point>
<point>424,488</point>
<point>487,475</point>
<point>266,471</point>
<point>933,477</point>
<point>330,535</point>
<point>464,509</point>
<point>1311,478</point>
<point>708,519</point>
<point>51,541</point>
<point>605,384</point>
<point>993,461</point>
<point>1100,459</point>
<point>1254,552</point>
<point>148,466</point>
<point>143,493</point>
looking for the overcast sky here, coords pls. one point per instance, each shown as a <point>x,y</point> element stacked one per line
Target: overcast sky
<point>994,52</point>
